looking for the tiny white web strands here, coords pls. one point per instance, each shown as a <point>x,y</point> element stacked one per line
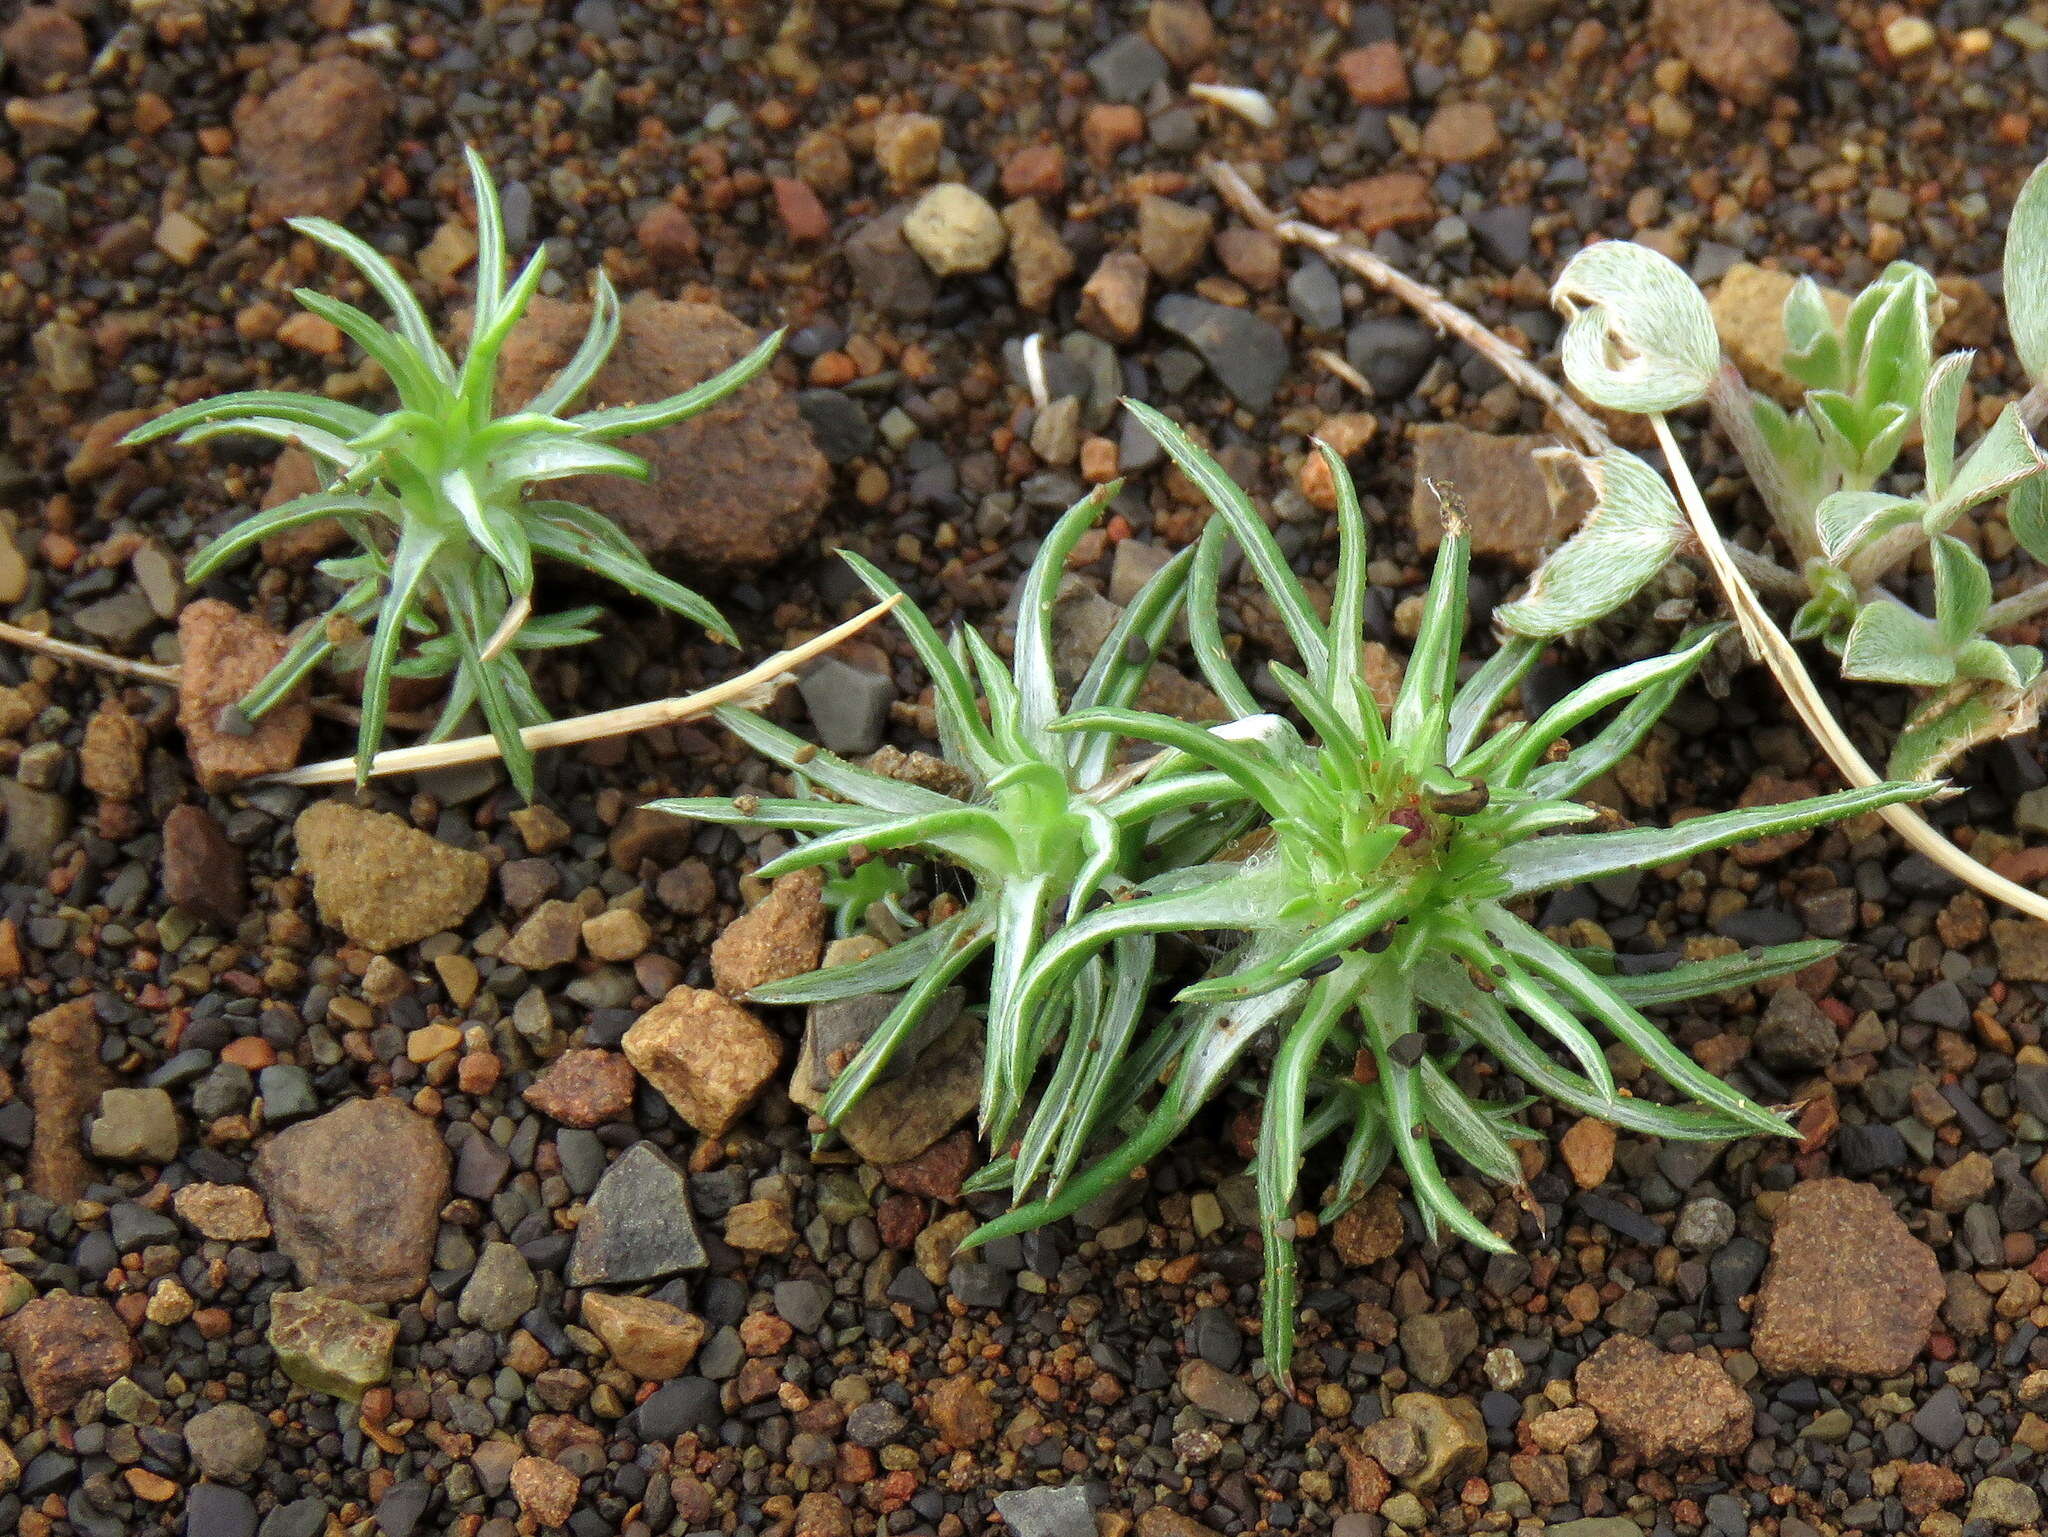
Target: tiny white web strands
<point>750,690</point>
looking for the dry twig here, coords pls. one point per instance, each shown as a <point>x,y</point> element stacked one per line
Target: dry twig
<point>86,656</point>
<point>1421,298</point>
<point>750,690</point>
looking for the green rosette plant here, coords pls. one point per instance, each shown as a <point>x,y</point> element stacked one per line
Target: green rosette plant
<point>1853,526</point>
<point>1374,947</point>
<point>434,494</point>
<point>1048,824</point>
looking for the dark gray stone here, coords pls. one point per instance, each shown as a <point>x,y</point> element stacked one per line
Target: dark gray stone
<point>216,1510</point>
<point>1247,355</point>
<point>849,705</point>
<point>1316,296</point>
<point>1392,351</point>
<point>1127,69</point>
<point>838,423</point>
<point>801,1304</point>
<point>1794,1035</point>
<point>301,1518</point>
<point>638,1225</point>
<point>886,272</point>
<point>1939,1421</point>
<point>687,1403</point>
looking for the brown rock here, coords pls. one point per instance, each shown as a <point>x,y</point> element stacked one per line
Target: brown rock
<point>227,1213</point>
<point>1375,75</point>
<point>760,1227</point>
<point>1848,1291</point>
<point>1113,298</point>
<point>1039,258</point>
<point>907,146</point>
<point>292,475</point>
<point>1366,1483</point>
<point>2022,946</point>
<point>202,871</point>
<point>936,1172</point>
<point>803,216</point>
<point>740,484</point>
<point>1925,1487</point>
<point>961,1412</point>
<point>1173,237</point>
<point>653,1340</point>
<point>1388,201</point>
<point>1165,1521</point>
<point>223,654</point>
<point>709,1058</point>
<point>1108,128</point>
<point>62,1078</point>
<point>819,1514</point>
<point>310,144</point>
<point>585,1087</point>
<point>1508,507</point>
<point>782,936</point>
<point>355,1196</point>
<point>1182,30</point>
<point>1588,1149</point>
<point>381,881</point>
<point>668,236</point>
<point>1656,1405</point>
<point>1036,170</point>
<point>110,757</point>
<point>545,1490</point>
<point>1252,256</point>
<point>550,936</point>
<point>63,1346</point>
<point>1460,132</point>
<point>1370,1231</point>
<point>1769,789</point>
<point>1742,48</point>
<point>43,45</point>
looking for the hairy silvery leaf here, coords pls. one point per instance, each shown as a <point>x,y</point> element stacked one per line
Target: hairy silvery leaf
<point>1962,591</point>
<point>2026,514</point>
<point>1890,333</point>
<point>1638,335</point>
<point>1889,643</point>
<point>1987,661</point>
<point>1848,518</point>
<point>2000,460</point>
<point>1627,538</point>
<point>1939,403</point>
<point>1813,347</point>
<point>1957,720</point>
<point>2026,274</point>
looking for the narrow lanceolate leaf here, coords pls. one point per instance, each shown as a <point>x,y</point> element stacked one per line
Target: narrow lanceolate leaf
<point>2026,275</point>
<point>1813,346</point>
<point>1955,721</point>
<point>1890,643</point>
<point>1631,534</point>
<point>1696,979</point>
<point>1545,865</point>
<point>624,421</point>
<point>1638,334</point>
<point>391,288</point>
<point>1281,586</point>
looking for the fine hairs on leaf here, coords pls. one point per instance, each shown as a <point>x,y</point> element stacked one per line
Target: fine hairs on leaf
<point>435,495</point>
<point>1350,876</point>
<point>1640,338</point>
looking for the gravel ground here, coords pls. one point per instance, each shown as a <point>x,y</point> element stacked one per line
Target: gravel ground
<point>401,1167</point>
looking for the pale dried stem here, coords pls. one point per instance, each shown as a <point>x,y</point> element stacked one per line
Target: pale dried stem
<point>1420,297</point>
<point>86,656</point>
<point>750,690</point>
<point>1768,643</point>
